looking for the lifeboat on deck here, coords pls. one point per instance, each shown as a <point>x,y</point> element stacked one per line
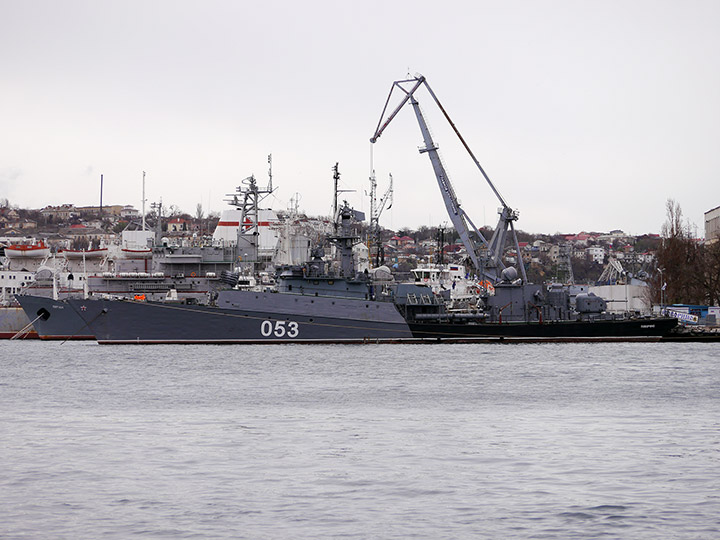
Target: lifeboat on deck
<point>144,253</point>
<point>27,251</point>
<point>87,253</point>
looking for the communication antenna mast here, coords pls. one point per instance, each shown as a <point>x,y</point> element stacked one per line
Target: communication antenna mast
<point>295,203</point>
<point>247,198</point>
<point>440,256</point>
<point>376,209</point>
<point>157,207</point>
<point>143,203</point>
<point>336,192</point>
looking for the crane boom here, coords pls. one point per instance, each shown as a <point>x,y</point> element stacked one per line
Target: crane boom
<point>485,255</point>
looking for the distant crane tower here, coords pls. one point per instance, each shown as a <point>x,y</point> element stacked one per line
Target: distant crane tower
<point>613,273</point>
<point>565,263</point>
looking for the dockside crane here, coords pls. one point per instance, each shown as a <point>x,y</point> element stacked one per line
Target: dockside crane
<point>485,255</point>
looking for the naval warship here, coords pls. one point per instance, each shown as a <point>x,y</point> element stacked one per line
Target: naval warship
<point>319,303</point>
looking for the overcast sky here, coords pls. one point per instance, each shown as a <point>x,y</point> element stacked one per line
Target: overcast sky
<point>586,115</point>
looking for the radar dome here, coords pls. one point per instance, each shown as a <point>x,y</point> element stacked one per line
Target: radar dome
<point>509,274</point>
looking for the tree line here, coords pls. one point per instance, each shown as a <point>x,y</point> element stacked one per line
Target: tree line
<point>688,271</point>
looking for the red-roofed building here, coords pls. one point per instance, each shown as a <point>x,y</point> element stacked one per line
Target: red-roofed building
<point>402,241</point>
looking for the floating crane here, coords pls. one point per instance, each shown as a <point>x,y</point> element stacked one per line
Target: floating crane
<point>486,255</point>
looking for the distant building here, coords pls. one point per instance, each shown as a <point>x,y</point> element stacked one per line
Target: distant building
<point>402,241</point>
<point>88,234</point>
<point>22,224</point>
<point>596,253</point>
<point>109,210</point>
<point>712,225</point>
<point>129,212</point>
<point>543,246</point>
<point>59,214</point>
<point>178,225</point>
<point>554,253</point>
<point>581,238</point>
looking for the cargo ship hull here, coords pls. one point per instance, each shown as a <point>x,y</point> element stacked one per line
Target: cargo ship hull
<point>54,319</point>
<point>14,324</point>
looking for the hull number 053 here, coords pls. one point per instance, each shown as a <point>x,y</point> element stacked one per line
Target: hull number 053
<point>279,329</point>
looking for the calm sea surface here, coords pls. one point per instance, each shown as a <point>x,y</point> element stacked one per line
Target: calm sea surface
<point>403,441</point>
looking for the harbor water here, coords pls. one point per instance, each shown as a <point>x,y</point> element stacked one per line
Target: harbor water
<point>603,440</point>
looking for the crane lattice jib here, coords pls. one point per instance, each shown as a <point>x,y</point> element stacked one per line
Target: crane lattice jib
<point>448,193</point>
<point>490,253</point>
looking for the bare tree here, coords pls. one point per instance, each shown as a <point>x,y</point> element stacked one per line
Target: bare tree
<point>682,262</point>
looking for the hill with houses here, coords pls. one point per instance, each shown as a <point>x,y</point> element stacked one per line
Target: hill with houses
<point>546,257</point>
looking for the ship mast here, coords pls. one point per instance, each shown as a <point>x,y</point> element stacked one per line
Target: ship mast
<point>247,199</point>
<point>376,209</point>
<point>336,192</point>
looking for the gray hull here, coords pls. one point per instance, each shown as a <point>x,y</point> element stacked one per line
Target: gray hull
<point>245,317</point>
<point>54,319</point>
<point>15,324</point>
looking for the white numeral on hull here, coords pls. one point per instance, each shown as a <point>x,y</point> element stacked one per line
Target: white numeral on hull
<point>279,329</point>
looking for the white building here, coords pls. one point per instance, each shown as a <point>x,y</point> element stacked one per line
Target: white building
<point>712,225</point>
<point>596,253</point>
<point>623,298</point>
<point>129,212</point>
